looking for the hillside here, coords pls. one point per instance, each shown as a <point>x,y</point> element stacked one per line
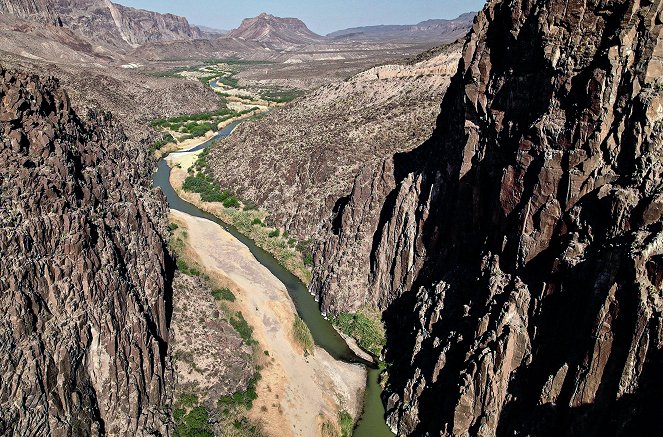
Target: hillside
<point>297,169</point>
<point>116,26</point>
<point>426,31</point>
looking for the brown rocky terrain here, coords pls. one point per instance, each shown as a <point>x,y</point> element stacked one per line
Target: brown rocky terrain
<point>518,252</point>
<point>297,168</point>
<point>209,357</point>
<point>85,280</point>
<point>118,26</point>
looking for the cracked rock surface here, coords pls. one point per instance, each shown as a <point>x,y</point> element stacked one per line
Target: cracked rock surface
<point>518,254</point>
<point>83,273</point>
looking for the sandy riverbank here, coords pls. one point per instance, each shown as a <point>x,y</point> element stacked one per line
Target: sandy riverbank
<point>295,392</point>
<point>179,163</point>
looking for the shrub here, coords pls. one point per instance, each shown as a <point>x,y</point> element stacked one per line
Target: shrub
<point>256,221</point>
<point>183,267</point>
<point>172,227</point>
<point>308,260</point>
<point>346,422</point>
<point>274,233</point>
<point>194,424</point>
<point>303,336</point>
<point>223,294</point>
<point>231,202</point>
<point>243,328</point>
<point>188,400</point>
<point>243,397</point>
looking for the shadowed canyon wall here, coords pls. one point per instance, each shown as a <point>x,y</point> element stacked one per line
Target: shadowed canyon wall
<point>518,253</point>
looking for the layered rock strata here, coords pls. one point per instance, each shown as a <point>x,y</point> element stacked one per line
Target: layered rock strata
<point>102,20</point>
<point>518,254</point>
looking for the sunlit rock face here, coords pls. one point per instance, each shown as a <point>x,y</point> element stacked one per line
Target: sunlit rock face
<point>83,273</point>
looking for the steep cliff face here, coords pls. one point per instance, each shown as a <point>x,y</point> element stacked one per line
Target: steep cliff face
<point>83,277</point>
<point>104,21</point>
<point>30,9</point>
<point>519,257</point>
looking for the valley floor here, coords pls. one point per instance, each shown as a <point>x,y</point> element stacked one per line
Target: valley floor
<point>297,392</point>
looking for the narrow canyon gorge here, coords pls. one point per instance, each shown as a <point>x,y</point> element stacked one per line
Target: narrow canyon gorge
<point>451,228</point>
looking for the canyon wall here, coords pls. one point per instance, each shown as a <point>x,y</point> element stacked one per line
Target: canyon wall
<point>85,280</point>
<point>518,253</point>
<point>104,21</point>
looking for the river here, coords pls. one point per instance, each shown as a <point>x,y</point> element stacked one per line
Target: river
<point>371,423</point>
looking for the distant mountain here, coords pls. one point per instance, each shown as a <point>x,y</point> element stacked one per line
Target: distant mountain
<point>430,30</point>
<point>275,31</point>
<point>101,20</point>
<point>212,31</point>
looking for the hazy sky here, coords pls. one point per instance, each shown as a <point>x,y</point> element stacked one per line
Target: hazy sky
<point>320,16</point>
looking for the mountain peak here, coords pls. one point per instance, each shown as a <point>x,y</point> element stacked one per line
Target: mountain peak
<point>276,31</point>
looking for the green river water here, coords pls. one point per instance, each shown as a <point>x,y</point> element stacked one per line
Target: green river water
<point>371,423</point>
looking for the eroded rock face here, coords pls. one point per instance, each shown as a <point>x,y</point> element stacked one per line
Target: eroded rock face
<point>276,31</point>
<point>83,275</point>
<point>519,257</point>
<point>105,21</point>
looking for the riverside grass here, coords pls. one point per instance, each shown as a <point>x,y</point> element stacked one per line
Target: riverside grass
<point>249,220</point>
<point>365,327</point>
<point>303,336</point>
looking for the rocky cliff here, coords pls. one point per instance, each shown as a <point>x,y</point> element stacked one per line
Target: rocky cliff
<point>101,20</point>
<point>84,281</point>
<point>519,255</point>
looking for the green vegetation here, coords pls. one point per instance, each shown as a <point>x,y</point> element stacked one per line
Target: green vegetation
<point>366,329</point>
<point>303,336</point>
<point>256,222</point>
<point>172,227</point>
<point>243,398</point>
<point>223,294</point>
<point>165,139</point>
<point>191,419</point>
<point>209,190</point>
<point>183,267</point>
<point>187,123</point>
<point>305,248</point>
<point>188,400</point>
<point>243,328</point>
<point>273,234</point>
<point>346,422</point>
<point>308,260</point>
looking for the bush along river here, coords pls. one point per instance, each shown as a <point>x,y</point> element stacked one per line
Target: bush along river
<point>371,423</point>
